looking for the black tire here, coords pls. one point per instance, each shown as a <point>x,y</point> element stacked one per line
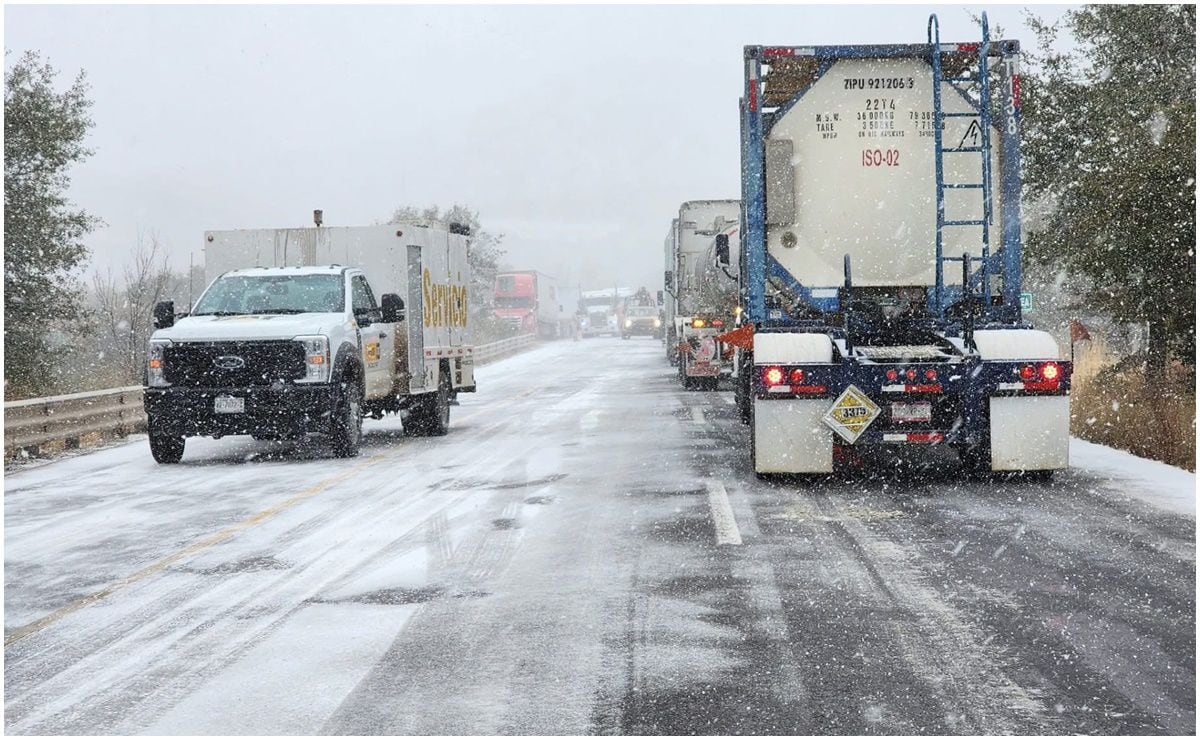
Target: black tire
<point>430,415</point>
<point>166,449</point>
<point>742,395</point>
<point>345,438</point>
<point>977,460</point>
<point>625,336</point>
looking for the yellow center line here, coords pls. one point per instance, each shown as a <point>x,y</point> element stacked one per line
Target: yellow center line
<point>196,547</point>
<point>212,540</point>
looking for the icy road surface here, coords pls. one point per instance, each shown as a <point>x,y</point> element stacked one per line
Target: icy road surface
<point>586,552</point>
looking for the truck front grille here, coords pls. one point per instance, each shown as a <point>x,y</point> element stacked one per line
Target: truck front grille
<point>233,364</point>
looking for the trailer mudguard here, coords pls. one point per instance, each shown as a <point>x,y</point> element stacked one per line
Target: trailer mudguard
<point>789,436</point>
<point>1030,432</point>
<point>1026,432</point>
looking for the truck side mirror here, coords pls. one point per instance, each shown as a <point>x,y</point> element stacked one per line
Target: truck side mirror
<point>660,297</point>
<point>393,308</point>
<point>164,314</point>
<point>722,249</point>
<point>668,279</point>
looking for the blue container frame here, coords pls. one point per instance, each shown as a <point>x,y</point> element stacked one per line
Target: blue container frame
<point>758,264</point>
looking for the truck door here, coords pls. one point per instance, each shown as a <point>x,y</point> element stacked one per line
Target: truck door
<point>376,339</point>
<point>415,326</point>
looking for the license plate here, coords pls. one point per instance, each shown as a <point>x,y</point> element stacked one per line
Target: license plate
<point>229,405</point>
<point>912,411</point>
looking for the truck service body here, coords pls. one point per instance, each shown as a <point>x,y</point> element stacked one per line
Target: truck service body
<point>527,299</point>
<point>880,273</point>
<point>306,330</point>
<point>702,295</point>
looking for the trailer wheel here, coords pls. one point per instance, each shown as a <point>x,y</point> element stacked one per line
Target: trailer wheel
<point>977,460</point>
<point>166,449</point>
<point>346,436</point>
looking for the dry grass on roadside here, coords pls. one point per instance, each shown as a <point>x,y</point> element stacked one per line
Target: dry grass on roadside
<point>1119,409</point>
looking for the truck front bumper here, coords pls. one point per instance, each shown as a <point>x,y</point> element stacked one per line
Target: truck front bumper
<point>288,411</point>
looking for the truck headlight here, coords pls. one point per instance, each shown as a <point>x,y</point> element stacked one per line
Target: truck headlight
<point>628,323</point>
<point>657,323</point>
<point>156,364</point>
<point>316,359</point>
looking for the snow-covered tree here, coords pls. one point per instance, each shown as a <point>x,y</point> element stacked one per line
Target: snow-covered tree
<point>44,131</point>
<point>1110,150</point>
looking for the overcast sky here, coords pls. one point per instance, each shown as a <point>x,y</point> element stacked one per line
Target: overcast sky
<point>575,131</point>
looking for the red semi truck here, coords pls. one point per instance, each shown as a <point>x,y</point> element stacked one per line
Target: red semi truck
<point>528,300</point>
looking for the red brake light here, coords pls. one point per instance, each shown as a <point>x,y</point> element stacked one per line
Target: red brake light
<point>931,374</point>
<point>892,374</point>
<point>718,323</point>
<point>796,377</point>
<point>910,373</point>
<point>773,376</point>
<point>1050,372</point>
<point>1027,372</point>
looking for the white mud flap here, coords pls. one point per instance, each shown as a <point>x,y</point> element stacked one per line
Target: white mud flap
<point>1030,432</point>
<point>789,436</point>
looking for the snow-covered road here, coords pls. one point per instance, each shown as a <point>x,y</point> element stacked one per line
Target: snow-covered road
<point>588,552</point>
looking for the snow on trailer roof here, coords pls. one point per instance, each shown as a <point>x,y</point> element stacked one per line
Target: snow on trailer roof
<point>294,270</point>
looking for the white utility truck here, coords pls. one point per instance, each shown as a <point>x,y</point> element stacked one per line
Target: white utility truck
<point>700,294</point>
<point>307,330</point>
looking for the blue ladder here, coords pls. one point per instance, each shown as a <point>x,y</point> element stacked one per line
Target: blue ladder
<point>984,150</point>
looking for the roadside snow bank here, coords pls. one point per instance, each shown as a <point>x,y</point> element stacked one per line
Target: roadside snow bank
<point>1162,485</point>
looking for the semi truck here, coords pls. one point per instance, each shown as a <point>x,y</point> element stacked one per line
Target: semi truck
<point>641,316</point>
<point>308,330</point>
<point>881,261</point>
<point>700,292</point>
<point>602,308</point>
<point>528,301</point>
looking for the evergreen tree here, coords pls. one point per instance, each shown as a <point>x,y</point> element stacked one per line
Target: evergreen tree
<point>1110,148</point>
<point>43,232</point>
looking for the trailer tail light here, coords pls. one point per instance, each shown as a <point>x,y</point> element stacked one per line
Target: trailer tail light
<point>1027,372</point>
<point>1050,372</point>
<point>910,373</point>
<point>931,374</point>
<point>772,376</point>
<point>796,376</point>
<point>697,323</point>
<point>892,374</point>
<point>718,323</point>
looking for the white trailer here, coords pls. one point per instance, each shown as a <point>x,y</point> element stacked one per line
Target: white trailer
<point>867,172</point>
<point>703,295</point>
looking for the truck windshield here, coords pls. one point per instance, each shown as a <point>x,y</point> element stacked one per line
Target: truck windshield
<point>514,302</point>
<point>641,311</point>
<point>235,295</point>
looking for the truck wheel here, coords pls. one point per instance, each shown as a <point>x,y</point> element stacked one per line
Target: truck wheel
<point>977,460</point>
<point>430,415</point>
<point>166,449</point>
<point>346,437</point>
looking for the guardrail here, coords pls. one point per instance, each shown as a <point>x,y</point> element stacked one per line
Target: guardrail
<point>116,412</point>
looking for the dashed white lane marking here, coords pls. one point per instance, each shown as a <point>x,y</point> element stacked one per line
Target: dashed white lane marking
<point>722,513</point>
<point>698,414</point>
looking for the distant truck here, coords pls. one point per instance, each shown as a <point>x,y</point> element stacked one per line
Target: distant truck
<point>881,261</point>
<point>602,309</point>
<point>641,316</point>
<point>570,310</point>
<point>701,295</point>
<point>307,330</point>
<point>528,301</point>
